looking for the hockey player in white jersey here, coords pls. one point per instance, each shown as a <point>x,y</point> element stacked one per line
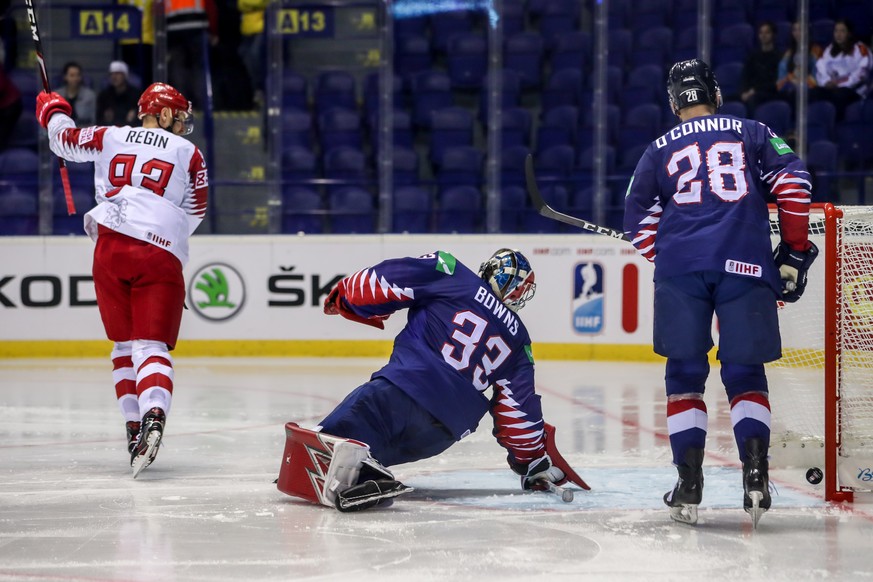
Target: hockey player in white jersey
<point>151,189</point>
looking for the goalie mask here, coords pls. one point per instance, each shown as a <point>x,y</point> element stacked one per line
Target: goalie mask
<point>511,277</point>
<point>160,95</point>
<point>691,83</point>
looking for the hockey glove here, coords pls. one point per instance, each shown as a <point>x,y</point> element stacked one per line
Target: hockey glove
<point>541,470</point>
<point>335,305</point>
<point>47,104</point>
<point>793,267</point>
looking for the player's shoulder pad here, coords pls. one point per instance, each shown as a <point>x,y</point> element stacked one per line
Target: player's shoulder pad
<point>445,262</point>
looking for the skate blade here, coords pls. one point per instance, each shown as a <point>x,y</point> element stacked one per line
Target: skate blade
<point>686,513</point>
<point>756,511</point>
<point>144,460</point>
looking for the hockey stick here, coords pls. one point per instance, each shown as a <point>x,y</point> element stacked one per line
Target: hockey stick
<point>549,212</point>
<point>34,30</point>
<point>566,495</point>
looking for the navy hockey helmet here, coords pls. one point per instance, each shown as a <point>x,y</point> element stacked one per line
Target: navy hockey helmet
<point>511,277</point>
<point>690,83</point>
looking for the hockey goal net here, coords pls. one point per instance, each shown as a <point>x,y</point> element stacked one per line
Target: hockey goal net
<point>822,388</point>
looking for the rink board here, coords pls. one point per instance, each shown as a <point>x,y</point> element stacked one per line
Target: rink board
<point>262,295</point>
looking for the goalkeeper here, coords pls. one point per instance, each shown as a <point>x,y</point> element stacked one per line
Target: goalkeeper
<point>463,337</point>
<point>697,207</point>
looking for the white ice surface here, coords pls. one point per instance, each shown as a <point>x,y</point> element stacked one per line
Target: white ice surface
<point>207,509</point>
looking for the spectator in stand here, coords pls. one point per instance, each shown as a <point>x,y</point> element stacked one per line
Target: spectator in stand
<point>83,99</point>
<point>843,70</point>
<point>252,47</point>
<point>140,52</point>
<point>790,63</point>
<point>117,103</point>
<point>191,24</point>
<point>10,107</point>
<point>761,70</point>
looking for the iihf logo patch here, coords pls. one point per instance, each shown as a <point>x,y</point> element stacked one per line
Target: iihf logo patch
<point>588,298</point>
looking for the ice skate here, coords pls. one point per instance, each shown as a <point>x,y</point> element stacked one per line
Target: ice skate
<point>151,432</point>
<point>756,481</point>
<point>132,427</point>
<point>688,492</point>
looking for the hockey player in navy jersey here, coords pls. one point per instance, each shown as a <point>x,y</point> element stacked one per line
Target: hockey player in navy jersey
<point>463,336</point>
<point>697,207</point>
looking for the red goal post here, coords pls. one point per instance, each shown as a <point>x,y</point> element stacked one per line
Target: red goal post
<point>822,388</point>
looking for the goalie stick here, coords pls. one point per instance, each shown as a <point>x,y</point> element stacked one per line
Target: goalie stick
<point>34,31</point>
<point>549,212</point>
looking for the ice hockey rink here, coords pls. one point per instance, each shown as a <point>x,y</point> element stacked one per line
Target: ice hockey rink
<point>208,509</point>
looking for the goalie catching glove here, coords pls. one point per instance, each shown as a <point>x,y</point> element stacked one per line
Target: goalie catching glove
<point>793,267</point>
<point>550,467</point>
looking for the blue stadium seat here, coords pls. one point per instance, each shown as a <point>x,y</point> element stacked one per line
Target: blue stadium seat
<point>459,210</point>
<point>585,160</point>
<point>648,14</point>
<point>515,129</point>
<point>570,50</point>
<point>299,164</point>
<point>555,165</point>
<point>614,76</point>
<point>351,211</point>
<point>557,197</point>
<point>776,115</point>
<point>340,127</point>
<point>372,95</point>
<point>460,166</point>
<point>19,211</point>
<point>552,17</point>
<point>819,9</point>
<point>512,205</point>
<point>402,122</point>
<point>431,90</point>
<point>335,89</point>
<point>81,176</point>
<point>467,60</point>
<point>510,94</point>
<point>410,25</point>
<point>297,128</point>
<point>821,31</point>
<point>735,108</point>
<point>302,210</point>
<point>647,76</point>
<point>295,89</point>
<point>25,133</point>
<point>64,224</point>
<point>404,166</point>
<point>772,10</point>
<point>855,142</point>
<point>629,158</point>
<point>735,42</point>
<point>821,159</point>
<point>653,46</point>
<point>558,127</point>
<point>412,208</point>
<point>640,125</point>
<point>20,166</point>
<point>512,166</point>
<point>821,119</point>
<point>730,76</point>
<point>412,55</point>
<point>564,87</point>
<point>582,202</point>
<point>634,95</point>
<point>347,165</point>
<point>620,46</point>
<point>524,53</point>
<point>452,126</point>
<point>445,24</point>
<point>512,18</point>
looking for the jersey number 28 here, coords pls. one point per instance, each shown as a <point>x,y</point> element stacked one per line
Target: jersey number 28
<point>725,167</point>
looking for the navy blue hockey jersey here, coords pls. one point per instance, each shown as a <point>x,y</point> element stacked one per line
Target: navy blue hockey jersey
<point>459,340</point>
<point>698,199</point>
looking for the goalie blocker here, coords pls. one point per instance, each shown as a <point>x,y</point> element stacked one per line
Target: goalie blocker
<point>333,471</point>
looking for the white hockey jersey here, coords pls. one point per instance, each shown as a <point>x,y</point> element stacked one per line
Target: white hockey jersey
<point>150,184</point>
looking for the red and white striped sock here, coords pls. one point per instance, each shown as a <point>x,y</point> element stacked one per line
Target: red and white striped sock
<point>154,375</point>
<point>124,378</point>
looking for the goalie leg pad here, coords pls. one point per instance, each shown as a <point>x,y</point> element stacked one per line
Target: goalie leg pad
<point>315,466</point>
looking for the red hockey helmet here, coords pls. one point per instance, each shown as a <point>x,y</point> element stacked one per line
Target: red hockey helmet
<point>160,95</point>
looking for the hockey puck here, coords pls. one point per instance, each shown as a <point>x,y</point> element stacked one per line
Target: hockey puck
<point>814,475</point>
